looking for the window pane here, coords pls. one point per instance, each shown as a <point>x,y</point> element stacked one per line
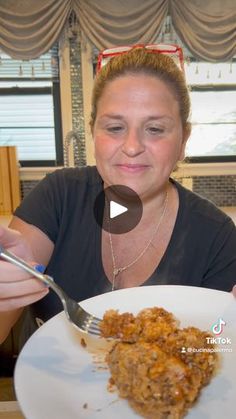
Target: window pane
<point>213,107</point>
<point>44,67</point>
<point>212,140</point>
<point>27,121</point>
<point>213,124</point>
<point>205,73</point>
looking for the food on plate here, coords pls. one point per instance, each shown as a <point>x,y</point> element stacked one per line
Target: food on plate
<point>151,364</point>
<point>83,342</point>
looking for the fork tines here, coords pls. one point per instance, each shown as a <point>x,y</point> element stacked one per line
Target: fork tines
<point>91,325</point>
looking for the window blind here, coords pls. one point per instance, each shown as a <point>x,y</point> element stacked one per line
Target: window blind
<point>27,106</point>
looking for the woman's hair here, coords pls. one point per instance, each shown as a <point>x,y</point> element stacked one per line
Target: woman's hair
<point>142,61</point>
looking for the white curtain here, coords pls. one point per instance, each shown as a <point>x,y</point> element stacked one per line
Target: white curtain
<point>28,28</point>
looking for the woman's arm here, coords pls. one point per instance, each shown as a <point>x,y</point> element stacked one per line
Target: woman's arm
<point>7,321</point>
<point>18,288</point>
<point>40,245</point>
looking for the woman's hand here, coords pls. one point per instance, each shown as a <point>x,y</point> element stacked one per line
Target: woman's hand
<point>234,291</point>
<point>17,288</point>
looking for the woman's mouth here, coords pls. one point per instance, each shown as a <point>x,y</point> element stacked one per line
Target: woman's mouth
<point>132,167</point>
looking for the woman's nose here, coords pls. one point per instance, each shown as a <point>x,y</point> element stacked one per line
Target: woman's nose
<point>133,144</point>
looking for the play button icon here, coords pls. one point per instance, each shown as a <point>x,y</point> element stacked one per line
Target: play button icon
<point>118,209</point>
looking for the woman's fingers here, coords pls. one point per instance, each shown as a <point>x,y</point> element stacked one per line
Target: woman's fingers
<point>17,287</point>
<point>11,273</point>
<point>8,236</point>
<point>234,291</point>
<point>13,241</point>
<point>20,287</point>
<point>14,303</point>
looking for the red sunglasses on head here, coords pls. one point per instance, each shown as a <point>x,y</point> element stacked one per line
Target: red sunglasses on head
<point>174,51</point>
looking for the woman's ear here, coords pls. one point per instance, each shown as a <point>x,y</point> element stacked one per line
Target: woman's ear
<point>186,135</point>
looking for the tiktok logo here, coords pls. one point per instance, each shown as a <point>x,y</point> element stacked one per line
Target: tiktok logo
<point>217,328</point>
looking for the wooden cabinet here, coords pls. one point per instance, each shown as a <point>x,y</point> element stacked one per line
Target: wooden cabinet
<point>9,180</point>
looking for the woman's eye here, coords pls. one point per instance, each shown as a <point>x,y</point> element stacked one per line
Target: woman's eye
<point>114,128</point>
<point>156,130</point>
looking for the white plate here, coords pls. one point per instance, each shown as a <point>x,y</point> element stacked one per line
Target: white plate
<point>56,378</point>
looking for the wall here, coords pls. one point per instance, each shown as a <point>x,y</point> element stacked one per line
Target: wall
<point>219,189</point>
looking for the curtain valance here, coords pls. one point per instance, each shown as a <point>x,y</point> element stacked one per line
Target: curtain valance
<point>28,28</point>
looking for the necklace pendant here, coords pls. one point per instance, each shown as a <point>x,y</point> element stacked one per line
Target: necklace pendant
<point>116,271</point>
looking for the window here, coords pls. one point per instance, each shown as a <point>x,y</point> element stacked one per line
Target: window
<point>30,109</point>
<point>213,98</point>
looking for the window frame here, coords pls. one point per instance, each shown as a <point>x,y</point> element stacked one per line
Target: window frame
<point>54,91</point>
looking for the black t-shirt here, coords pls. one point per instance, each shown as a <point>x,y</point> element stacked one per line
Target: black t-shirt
<point>201,251</point>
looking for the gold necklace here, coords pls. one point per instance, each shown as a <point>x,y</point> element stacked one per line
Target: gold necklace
<point>116,270</point>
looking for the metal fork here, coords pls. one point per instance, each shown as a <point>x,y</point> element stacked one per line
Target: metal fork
<point>74,312</point>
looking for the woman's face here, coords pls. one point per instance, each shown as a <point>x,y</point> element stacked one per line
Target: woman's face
<point>138,133</point>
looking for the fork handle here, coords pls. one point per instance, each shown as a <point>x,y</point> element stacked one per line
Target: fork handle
<point>9,257</point>
<point>46,279</point>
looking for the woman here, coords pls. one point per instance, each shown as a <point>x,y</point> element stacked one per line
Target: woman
<point>139,122</point>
